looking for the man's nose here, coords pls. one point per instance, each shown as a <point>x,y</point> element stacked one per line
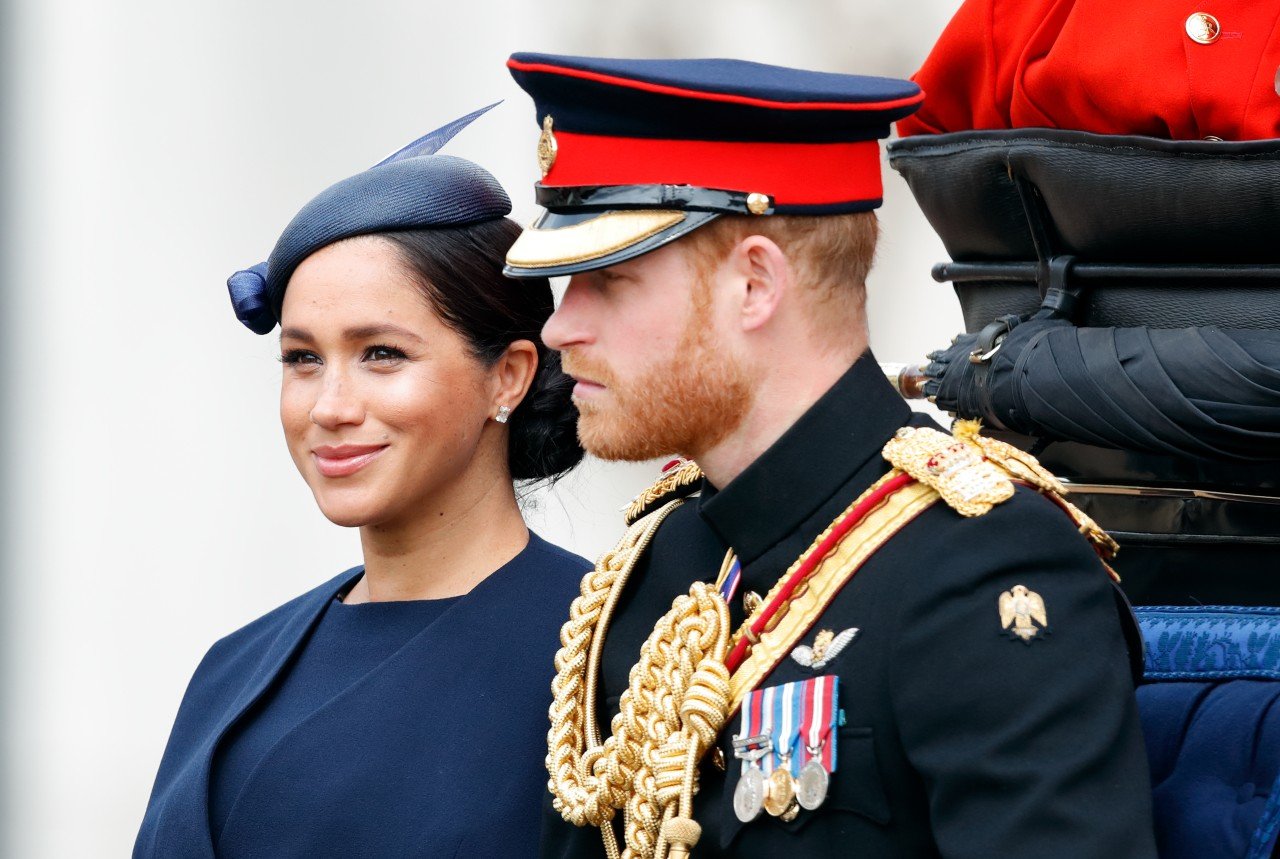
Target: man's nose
<point>566,327</point>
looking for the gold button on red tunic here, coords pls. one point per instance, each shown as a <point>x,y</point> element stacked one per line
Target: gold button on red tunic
<point>1203,28</point>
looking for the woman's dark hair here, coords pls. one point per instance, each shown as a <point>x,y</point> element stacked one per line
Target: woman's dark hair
<point>460,272</point>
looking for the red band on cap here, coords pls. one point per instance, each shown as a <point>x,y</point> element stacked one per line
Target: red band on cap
<point>793,174</point>
<point>705,95</point>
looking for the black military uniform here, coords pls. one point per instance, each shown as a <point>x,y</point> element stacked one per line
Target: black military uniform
<point>955,736</point>
<point>958,740</point>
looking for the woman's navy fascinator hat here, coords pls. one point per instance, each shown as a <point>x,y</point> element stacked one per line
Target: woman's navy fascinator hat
<point>409,189</point>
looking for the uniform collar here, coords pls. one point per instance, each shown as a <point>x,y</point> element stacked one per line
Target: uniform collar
<point>845,428</point>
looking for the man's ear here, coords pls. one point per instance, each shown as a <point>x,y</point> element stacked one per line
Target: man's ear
<point>767,277</point>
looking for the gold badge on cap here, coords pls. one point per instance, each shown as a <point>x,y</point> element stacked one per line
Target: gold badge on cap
<point>546,146</point>
<point>1019,607</point>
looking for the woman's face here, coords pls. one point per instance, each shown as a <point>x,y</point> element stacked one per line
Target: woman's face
<point>384,406</point>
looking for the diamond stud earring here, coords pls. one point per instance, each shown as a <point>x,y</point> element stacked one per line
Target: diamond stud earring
<point>504,412</point>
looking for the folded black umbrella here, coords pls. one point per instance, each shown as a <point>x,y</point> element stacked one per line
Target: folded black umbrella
<point>1205,392</point>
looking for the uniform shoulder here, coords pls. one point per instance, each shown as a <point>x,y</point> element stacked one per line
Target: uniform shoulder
<point>971,473</point>
<point>1025,508</point>
<point>942,551</point>
<point>998,500</point>
<point>679,479</point>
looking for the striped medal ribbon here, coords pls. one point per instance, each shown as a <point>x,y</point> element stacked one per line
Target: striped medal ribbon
<point>783,708</point>
<point>753,745</point>
<point>819,718</point>
<point>730,577</point>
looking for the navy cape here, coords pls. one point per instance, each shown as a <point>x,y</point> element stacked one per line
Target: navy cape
<point>437,752</point>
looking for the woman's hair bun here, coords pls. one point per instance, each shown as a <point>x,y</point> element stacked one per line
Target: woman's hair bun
<point>544,427</point>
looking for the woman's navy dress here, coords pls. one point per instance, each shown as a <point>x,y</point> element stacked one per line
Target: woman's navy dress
<point>382,729</point>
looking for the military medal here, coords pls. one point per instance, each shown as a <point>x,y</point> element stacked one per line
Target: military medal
<point>811,786</point>
<point>786,704</point>
<point>748,796</point>
<point>754,746</point>
<point>786,749</point>
<point>780,793</point>
<point>819,720</point>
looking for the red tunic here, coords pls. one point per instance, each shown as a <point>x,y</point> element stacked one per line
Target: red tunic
<point>1109,68</point>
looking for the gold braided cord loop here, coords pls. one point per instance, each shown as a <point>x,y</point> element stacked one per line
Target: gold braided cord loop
<point>675,705</point>
<point>579,794</point>
<point>681,477</point>
<point>1017,463</point>
<point>1021,465</point>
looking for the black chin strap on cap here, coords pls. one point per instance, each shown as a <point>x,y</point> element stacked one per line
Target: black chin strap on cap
<point>600,198</point>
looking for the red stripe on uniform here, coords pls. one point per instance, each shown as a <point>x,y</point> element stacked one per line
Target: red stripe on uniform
<point>795,174</point>
<point>668,89</point>
<point>811,561</point>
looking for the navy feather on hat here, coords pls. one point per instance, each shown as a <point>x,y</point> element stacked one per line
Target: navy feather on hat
<point>410,189</point>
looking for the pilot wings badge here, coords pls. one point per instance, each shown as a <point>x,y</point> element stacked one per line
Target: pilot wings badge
<point>826,647</point>
<point>1019,607</point>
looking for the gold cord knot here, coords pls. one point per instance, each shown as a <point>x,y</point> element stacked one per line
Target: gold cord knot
<point>682,834</point>
<point>676,702</point>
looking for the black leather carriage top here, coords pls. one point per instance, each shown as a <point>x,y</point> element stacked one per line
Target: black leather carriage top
<point>1166,233</point>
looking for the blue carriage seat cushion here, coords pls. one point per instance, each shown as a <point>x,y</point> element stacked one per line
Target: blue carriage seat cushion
<point>1210,707</point>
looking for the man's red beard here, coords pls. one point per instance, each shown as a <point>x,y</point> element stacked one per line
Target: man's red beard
<point>684,404</point>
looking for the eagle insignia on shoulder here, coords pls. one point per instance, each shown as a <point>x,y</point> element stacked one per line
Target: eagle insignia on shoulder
<point>826,647</point>
<point>1020,612</point>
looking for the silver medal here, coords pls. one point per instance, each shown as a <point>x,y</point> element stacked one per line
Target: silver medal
<point>748,796</point>
<point>811,785</point>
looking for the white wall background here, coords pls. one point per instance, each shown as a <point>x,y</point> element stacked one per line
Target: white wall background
<point>152,148</point>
